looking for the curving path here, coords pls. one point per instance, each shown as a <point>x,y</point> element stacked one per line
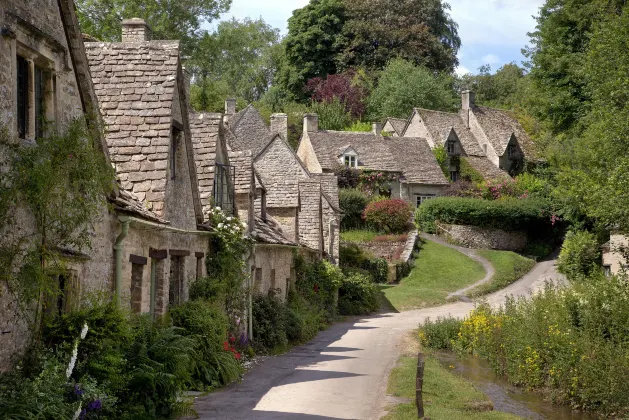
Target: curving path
<point>343,372</point>
<point>489,269</point>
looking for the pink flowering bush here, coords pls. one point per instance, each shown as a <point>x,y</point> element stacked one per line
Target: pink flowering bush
<point>390,216</point>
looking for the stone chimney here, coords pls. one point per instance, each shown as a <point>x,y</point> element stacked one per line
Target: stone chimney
<point>135,30</point>
<point>311,123</point>
<point>279,124</point>
<point>467,101</point>
<point>230,106</point>
<point>376,128</point>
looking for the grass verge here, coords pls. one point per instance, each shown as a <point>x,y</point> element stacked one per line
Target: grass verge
<point>509,267</point>
<point>364,235</point>
<point>438,271</point>
<point>446,395</point>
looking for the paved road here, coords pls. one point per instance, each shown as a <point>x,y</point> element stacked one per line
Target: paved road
<point>342,373</point>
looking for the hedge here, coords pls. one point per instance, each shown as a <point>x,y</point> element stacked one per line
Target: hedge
<point>508,214</point>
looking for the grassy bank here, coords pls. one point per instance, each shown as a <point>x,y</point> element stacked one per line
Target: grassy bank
<point>364,235</point>
<point>446,395</point>
<point>509,267</point>
<point>438,271</point>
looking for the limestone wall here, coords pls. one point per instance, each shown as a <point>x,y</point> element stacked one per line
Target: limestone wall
<point>273,269</point>
<point>476,237</point>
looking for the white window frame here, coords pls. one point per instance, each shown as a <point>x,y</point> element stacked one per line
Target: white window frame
<point>421,198</point>
<point>351,161</point>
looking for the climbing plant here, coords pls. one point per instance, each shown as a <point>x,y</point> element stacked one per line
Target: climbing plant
<point>51,192</point>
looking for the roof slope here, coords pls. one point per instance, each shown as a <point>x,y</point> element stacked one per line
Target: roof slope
<point>134,83</point>
<point>488,170</point>
<point>249,130</point>
<point>269,232</point>
<point>372,151</point>
<point>204,130</point>
<point>439,125</point>
<point>419,163</point>
<point>398,124</point>
<point>498,126</point>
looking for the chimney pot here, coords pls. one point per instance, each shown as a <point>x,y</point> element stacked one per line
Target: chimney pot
<point>279,124</point>
<point>230,106</point>
<point>135,30</point>
<point>468,98</point>
<point>376,128</point>
<point>311,123</point>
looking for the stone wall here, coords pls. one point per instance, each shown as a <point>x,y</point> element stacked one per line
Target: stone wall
<point>390,251</point>
<point>613,257</point>
<point>273,269</point>
<point>288,220</point>
<point>476,237</point>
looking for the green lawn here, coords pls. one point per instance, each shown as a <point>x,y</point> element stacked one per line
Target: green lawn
<point>509,267</point>
<point>365,235</point>
<point>438,271</point>
<point>446,395</point>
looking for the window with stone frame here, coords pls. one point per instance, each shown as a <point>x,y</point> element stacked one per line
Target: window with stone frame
<point>34,88</point>
<point>63,295</point>
<point>138,285</point>
<point>451,147</point>
<point>175,290</point>
<point>454,176</point>
<point>223,192</point>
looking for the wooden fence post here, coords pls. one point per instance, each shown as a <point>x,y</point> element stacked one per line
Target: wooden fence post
<point>419,384</point>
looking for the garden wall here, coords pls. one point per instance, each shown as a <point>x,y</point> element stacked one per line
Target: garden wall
<point>477,237</point>
<point>390,251</point>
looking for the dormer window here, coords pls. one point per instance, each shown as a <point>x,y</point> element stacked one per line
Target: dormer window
<point>451,147</point>
<point>350,161</point>
<point>512,151</point>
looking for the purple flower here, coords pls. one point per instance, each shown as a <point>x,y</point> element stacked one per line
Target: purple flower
<point>95,405</point>
<point>82,414</point>
<point>77,390</point>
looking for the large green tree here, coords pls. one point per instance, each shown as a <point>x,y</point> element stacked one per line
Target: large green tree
<point>594,167</point>
<point>506,88</point>
<point>312,44</point>
<point>239,59</point>
<point>403,85</point>
<point>420,31</point>
<point>169,19</point>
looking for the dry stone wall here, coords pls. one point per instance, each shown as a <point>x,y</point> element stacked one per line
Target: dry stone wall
<point>476,237</point>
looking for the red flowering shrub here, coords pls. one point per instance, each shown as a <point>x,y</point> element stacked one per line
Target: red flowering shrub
<point>390,216</point>
<point>342,87</point>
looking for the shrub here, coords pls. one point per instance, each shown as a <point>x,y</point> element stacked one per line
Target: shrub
<point>352,203</point>
<point>303,321</point>
<point>439,334</point>
<point>318,283</point>
<point>507,214</point>
<point>379,269</point>
<point>347,177</point>
<point>269,322</point>
<point>390,216</point>
<point>358,296</point>
<point>579,255</point>
<point>207,325</point>
<point>351,255</point>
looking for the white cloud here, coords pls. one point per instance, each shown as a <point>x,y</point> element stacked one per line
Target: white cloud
<point>491,59</point>
<point>462,70</point>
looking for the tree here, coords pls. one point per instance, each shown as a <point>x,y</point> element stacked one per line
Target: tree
<point>403,86</point>
<point>313,41</point>
<point>504,89</point>
<point>169,19</point>
<point>594,166</point>
<point>420,31</point>
<point>346,87</point>
<point>239,59</point>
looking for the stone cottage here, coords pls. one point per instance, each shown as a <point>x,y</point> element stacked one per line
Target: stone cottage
<point>409,161</point>
<point>482,133</point>
<point>281,172</point>
<point>615,253</point>
<point>394,126</point>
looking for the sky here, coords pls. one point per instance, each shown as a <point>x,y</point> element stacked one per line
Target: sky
<point>492,31</point>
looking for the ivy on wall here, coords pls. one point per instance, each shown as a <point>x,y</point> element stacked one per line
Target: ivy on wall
<point>51,192</point>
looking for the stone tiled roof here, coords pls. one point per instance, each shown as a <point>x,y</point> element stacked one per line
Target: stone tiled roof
<point>372,151</point>
<point>269,232</point>
<point>204,130</point>
<point>419,164</point>
<point>498,126</point>
<point>439,125</point>
<point>284,193</point>
<point>309,222</point>
<point>127,202</point>
<point>488,170</point>
<point>249,131</point>
<point>243,164</point>
<point>134,83</point>
<point>398,124</point>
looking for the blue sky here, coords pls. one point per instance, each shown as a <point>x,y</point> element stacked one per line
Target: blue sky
<point>492,31</point>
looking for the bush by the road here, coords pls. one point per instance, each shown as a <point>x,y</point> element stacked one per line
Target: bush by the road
<point>389,216</point>
<point>579,255</point>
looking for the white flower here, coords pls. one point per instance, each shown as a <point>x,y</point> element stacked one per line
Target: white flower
<point>84,331</point>
<point>229,219</point>
<point>217,208</point>
<point>77,413</point>
<point>75,353</point>
<point>220,225</point>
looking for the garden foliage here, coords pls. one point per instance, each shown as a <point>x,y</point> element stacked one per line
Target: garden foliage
<point>507,214</point>
<point>580,255</point>
<point>390,216</point>
<point>353,257</point>
<point>358,295</point>
<point>571,342</point>
<point>352,202</point>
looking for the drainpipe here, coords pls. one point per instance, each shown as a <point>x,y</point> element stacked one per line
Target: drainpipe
<point>118,248</point>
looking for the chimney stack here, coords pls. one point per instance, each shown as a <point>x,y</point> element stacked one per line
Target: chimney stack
<point>135,30</point>
<point>311,123</point>
<point>279,124</point>
<point>467,101</point>
<point>230,106</point>
<point>376,128</point>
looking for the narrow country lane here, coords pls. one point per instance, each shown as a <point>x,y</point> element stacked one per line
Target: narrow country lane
<point>343,372</point>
